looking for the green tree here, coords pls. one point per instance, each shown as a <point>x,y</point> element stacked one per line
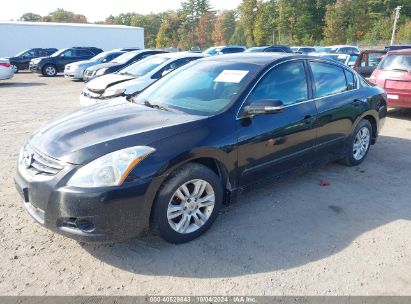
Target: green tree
<point>167,35</point>
<point>336,23</point>
<point>238,37</point>
<point>248,11</point>
<point>61,15</point>
<point>264,27</point>
<point>404,32</point>
<point>30,17</point>
<point>224,27</point>
<point>205,29</point>
<point>151,24</point>
<point>189,15</point>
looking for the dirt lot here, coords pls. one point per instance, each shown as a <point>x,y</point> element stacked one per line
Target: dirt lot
<point>291,237</point>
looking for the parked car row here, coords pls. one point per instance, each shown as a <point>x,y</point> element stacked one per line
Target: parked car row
<point>134,78</point>
<point>204,128</point>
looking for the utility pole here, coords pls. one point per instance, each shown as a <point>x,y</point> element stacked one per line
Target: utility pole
<point>394,29</point>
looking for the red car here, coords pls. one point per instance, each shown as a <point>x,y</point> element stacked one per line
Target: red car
<point>393,74</point>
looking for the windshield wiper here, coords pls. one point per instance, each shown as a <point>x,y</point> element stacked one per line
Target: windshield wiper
<point>155,106</point>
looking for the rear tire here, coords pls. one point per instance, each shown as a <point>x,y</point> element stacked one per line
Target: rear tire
<point>187,203</point>
<point>49,70</point>
<point>359,144</point>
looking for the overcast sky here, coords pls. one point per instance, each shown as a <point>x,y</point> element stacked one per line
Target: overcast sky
<point>96,10</point>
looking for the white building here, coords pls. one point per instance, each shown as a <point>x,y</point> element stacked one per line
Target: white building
<point>19,36</point>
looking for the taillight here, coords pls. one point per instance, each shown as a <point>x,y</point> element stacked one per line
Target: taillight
<point>5,64</point>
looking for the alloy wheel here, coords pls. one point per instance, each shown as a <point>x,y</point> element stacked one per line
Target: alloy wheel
<point>191,206</point>
<point>361,143</point>
<point>50,71</point>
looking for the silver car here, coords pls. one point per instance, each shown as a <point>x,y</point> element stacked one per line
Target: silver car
<point>76,70</point>
<point>6,71</point>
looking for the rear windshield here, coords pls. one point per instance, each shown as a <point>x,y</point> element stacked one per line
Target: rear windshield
<point>396,62</point>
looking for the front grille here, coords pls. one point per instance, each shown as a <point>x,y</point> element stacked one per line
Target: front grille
<point>38,163</point>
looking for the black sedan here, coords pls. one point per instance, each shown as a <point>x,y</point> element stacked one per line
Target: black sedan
<point>170,158</point>
<point>117,64</point>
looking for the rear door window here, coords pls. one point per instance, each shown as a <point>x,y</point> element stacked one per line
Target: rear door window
<point>350,80</point>
<point>83,53</point>
<point>328,79</point>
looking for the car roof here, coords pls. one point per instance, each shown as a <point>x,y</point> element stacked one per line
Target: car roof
<point>253,58</point>
<point>402,51</point>
<point>343,45</point>
<point>375,51</point>
<point>178,55</point>
<point>145,50</point>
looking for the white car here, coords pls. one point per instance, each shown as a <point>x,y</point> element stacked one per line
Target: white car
<point>6,70</point>
<point>135,78</point>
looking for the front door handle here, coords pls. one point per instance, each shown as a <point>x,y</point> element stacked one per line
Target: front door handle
<point>358,102</point>
<point>308,119</point>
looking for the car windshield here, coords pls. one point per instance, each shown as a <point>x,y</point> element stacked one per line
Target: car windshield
<point>145,66</point>
<point>201,88</point>
<point>325,50</point>
<point>58,52</point>
<point>396,62</point>
<point>254,50</point>
<point>124,58</point>
<point>21,53</point>
<point>100,56</point>
<point>212,51</point>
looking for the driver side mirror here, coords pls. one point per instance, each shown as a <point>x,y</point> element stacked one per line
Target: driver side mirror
<point>264,107</point>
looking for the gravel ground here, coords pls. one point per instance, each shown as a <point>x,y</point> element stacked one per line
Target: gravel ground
<point>291,237</point>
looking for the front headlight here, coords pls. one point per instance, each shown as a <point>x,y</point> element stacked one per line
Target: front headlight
<point>113,93</point>
<point>101,72</point>
<point>111,169</point>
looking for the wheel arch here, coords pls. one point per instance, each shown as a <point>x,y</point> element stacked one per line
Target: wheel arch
<point>374,126</point>
<point>210,160</point>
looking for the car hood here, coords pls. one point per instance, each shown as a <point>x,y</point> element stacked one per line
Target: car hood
<point>88,133</point>
<point>84,63</point>
<point>105,81</point>
<point>103,65</point>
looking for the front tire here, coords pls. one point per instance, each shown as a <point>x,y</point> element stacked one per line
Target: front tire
<point>359,144</point>
<point>49,70</point>
<point>15,68</point>
<point>187,203</point>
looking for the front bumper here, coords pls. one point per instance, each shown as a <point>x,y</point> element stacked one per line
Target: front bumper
<point>89,75</point>
<point>73,74</point>
<point>108,214</point>
<point>88,98</point>
<point>35,68</point>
